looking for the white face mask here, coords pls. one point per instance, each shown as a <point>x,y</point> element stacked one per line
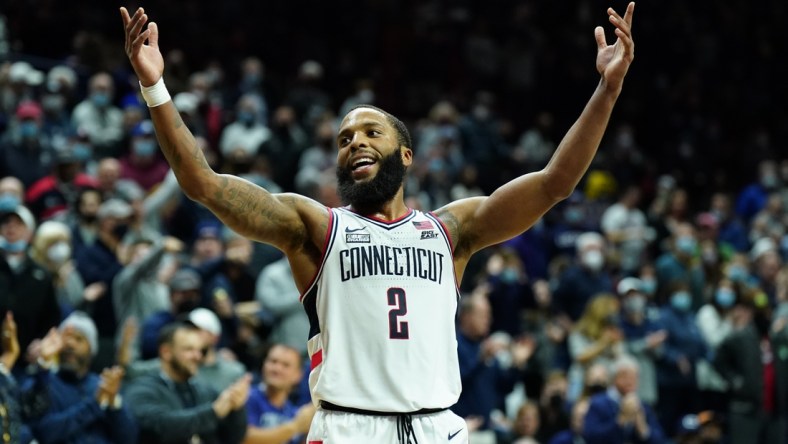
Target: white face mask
<point>59,253</point>
<point>593,260</point>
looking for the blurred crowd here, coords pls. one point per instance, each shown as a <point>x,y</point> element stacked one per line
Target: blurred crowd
<point>650,306</point>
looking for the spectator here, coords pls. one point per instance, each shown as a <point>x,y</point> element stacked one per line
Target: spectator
<point>581,281</point>
<point>137,291</point>
<point>715,323</point>
<point>27,289</point>
<point>24,152</point>
<point>51,249</point>
<point>12,428</point>
<point>272,418</point>
<point>242,138</point>
<point>627,230</point>
<point>596,339</point>
<point>731,229</point>
<point>574,435</point>
<point>676,369</point>
<point>752,362</point>
<point>56,194</point>
<point>219,368</point>
<point>643,337</point>
<point>278,297</point>
<point>11,193</point>
<point>680,264</point>
<point>553,406</point>
<point>526,424</point>
<point>753,198</point>
<point>144,164</point>
<point>618,415</point>
<point>485,380</point>
<point>171,407</point>
<point>99,118</point>
<point>83,407</point>
<point>100,262</point>
<point>184,296</point>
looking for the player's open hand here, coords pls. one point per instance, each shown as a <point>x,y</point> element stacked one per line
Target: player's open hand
<point>145,58</point>
<point>612,61</point>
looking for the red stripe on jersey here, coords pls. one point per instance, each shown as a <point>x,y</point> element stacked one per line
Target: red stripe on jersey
<point>317,359</point>
<point>315,442</point>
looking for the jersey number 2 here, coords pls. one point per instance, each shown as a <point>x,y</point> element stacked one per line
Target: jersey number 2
<point>397,329</point>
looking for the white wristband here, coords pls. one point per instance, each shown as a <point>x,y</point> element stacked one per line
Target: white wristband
<point>156,94</point>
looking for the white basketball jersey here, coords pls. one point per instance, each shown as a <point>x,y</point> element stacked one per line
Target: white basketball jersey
<point>382,311</point>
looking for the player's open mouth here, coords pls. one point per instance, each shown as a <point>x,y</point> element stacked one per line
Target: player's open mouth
<point>362,164</point>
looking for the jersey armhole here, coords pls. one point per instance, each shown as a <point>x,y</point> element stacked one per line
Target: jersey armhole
<point>328,242</point>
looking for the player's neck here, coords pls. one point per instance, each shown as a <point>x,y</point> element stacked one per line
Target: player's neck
<point>392,209</point>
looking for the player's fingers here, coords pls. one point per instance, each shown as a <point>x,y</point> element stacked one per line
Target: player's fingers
<point>153,40</point>
<point>137,26</point>
<point>629,13</point>
<point>599,34</point>
<point>140,40</point>
<point>124,14</point>
<point>619,23</point>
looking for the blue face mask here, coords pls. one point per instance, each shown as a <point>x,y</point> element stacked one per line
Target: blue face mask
<point>246,117</point>
<point>28,129</point>
<point>144,148</point>
<point>509,276</point>
<point>725,297</point>
<point>100,99</point>
<point>648,286</point>
<point>681,301</point>
<point>686,244</point>
<point>573,215</point>
<point>13,247</point>
<point>82,151</point>
<point>737,273</point>
<point>8,202</point>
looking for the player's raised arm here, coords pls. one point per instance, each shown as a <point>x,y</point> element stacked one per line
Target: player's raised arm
<point>479,222</point>
<point>285,221</point>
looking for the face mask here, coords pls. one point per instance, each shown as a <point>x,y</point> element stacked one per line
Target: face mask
<point>686,244</point>
<point>573,215</point>
<point>737,273</point>
<point>101,100</point>
<point>635,304</point>
<point>725,297</point>
<point>509,276</point>
<point>246,117</point>
<point>594,389</point>
<point>593,260</point>
<point>681,301</point>
<point>556,401</point>
<point>13,247</point>
<point>120,230</point>
<point>144,147</point>
<point>28,129</point>
<point>8,202</point>
<point>53,104</point>
<point>769,181</point>
<point>648,286</point>
<point>82,151</point>
<point>59,252</point>
<point>186,306</point>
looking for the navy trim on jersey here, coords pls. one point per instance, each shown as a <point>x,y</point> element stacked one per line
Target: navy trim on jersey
<point>309,298</point>
<point>328,242</point>
<point>381,223</point>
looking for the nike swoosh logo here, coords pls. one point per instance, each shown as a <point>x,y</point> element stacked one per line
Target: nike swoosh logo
<point>452,435</point>
<point>348,230</point>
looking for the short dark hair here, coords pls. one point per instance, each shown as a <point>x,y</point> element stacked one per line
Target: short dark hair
<point>403,135</point>
<point>167,333</point>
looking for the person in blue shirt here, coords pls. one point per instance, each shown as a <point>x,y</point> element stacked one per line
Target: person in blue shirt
<point>618,416</point>
<point>272,417</point>
<point>84,407</point>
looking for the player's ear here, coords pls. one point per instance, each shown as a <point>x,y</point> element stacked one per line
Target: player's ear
<point>407,155</point>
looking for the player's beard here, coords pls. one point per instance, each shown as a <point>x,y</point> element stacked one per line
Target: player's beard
<point>375,192</point>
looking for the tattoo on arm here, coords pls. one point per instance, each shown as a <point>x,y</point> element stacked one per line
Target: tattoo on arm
<point>455,230</point>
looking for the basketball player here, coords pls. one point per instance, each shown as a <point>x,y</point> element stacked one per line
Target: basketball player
<point>378,279</point>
